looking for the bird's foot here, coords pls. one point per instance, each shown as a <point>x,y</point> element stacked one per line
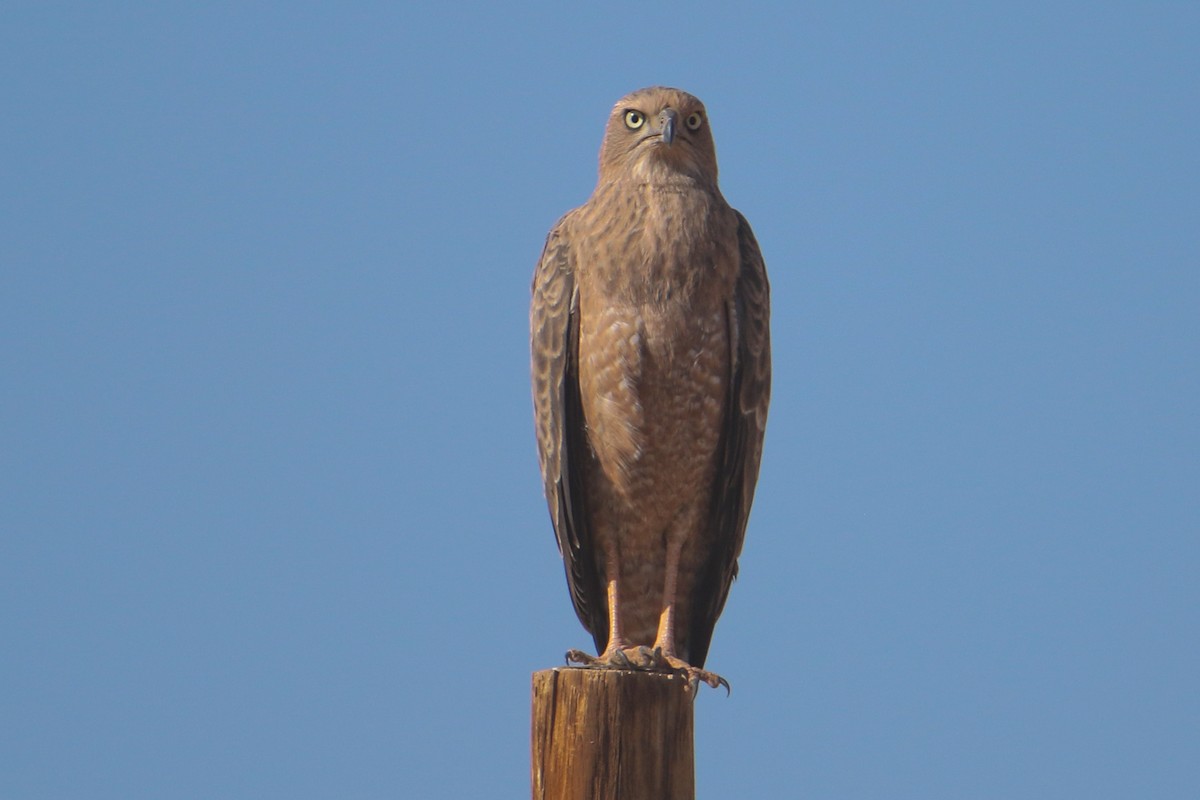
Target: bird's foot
<point>633,657</point>
<point>641,657</point>
<point>694,675</point>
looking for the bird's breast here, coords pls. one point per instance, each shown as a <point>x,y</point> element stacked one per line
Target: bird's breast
<point>656,271</point>
<point>654,378</point>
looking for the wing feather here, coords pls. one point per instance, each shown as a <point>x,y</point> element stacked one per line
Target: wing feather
<point>748,316</point>
<point>562,446</point>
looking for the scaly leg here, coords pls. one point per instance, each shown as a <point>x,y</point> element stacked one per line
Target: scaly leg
<point>664,641</point>
<point>619,652</point>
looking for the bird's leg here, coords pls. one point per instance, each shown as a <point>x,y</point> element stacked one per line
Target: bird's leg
<point>664,641</point>
<point>619,652</point>
<point>612,655</point>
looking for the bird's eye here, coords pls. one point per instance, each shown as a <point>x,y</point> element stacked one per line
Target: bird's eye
<point>694,121</point>
<point>634,119</point>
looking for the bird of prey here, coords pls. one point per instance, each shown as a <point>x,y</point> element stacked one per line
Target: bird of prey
<point>651,379</point>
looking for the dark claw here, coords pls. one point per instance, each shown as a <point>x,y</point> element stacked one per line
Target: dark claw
<point>579,657</point>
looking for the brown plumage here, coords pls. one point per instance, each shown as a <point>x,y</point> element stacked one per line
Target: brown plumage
<point>651,378</point>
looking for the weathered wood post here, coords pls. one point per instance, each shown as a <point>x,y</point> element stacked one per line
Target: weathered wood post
<point>603,734</point>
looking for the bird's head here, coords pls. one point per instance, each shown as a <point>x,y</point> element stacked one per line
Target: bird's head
<point>655,132</point>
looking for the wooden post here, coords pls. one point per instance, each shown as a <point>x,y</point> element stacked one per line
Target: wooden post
<point>604,734</point>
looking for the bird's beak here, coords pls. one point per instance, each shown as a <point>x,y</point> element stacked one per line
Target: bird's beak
<point>666,121</point>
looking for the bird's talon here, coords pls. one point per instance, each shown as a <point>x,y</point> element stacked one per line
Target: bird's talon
<point>581,658</point>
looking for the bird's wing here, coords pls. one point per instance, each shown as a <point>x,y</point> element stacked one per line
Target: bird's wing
<point>558,411</point>
<point>749,317</point>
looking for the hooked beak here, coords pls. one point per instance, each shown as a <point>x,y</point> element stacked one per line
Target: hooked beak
<point>666,121</point>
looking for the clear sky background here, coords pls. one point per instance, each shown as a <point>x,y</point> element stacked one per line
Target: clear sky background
<point>270,520</point>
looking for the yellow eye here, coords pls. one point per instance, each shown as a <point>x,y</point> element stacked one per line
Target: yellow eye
<point>694,121</point>
<point>634,119</point>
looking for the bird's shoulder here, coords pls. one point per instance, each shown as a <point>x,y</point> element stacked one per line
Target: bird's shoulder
<point>564,230</point>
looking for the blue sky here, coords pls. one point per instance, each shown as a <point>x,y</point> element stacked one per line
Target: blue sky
<point>271,524</point>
